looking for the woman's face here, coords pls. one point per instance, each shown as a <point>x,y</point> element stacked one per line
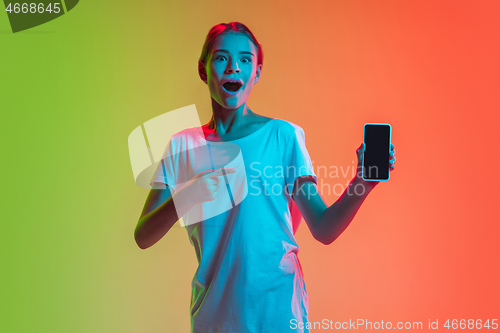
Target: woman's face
<point>232,69</point>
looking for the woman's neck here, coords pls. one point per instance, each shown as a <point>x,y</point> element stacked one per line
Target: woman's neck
<point>225,121</point>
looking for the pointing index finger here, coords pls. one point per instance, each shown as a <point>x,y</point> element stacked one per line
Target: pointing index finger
<point>221,171</point>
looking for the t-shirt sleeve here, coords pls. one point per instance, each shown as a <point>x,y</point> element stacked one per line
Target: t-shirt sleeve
<point>166,171</point>
<point>296,160</point>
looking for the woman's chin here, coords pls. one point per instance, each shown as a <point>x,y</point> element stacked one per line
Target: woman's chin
<point>230,103</point>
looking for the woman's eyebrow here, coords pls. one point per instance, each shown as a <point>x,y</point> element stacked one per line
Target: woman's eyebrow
<point>226,51</point>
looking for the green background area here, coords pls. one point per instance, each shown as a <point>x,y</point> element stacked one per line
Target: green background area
<point>69,99</point>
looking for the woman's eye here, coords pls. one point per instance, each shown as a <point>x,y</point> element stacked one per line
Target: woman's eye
<point>246,59</point>
<point>220,57</point>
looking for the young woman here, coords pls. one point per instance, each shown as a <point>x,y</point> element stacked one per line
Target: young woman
<point>249,277</point>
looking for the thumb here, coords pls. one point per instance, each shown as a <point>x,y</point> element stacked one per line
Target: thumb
<point>359,152</point>
<point>361,148</point>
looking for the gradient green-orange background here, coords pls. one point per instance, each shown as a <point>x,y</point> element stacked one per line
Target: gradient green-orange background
<point>423,245</point>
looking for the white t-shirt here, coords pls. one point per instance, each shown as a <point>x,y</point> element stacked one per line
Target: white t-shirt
<point>249,278</point>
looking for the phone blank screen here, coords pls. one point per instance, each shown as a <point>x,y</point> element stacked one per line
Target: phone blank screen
<point>376,157</point>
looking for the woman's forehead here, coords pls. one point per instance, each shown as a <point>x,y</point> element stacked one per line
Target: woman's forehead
<point>233,42</point>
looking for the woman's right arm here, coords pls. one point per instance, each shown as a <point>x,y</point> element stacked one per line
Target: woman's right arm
<point>158,216</point>
<point>160,213</point>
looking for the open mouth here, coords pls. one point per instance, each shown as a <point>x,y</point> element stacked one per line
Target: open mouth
<point>232,86</point>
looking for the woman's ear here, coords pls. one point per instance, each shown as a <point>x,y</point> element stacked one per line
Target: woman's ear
<point>257,74</point>
<point>202,71</point>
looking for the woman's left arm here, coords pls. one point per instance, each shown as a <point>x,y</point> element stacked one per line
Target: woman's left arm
<point>327,223</point>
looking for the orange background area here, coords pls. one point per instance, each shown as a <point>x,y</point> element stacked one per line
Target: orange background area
<point>424,245</point>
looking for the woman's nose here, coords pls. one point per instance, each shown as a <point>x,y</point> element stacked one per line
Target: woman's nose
<point>233,67</point>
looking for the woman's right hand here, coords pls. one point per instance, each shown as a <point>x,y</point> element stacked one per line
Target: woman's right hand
<point>204,186</point>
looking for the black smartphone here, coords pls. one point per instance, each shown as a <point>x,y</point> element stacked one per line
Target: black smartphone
<point>377,138</point>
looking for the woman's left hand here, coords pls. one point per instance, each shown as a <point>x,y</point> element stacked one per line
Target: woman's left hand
<point>359,175</point>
